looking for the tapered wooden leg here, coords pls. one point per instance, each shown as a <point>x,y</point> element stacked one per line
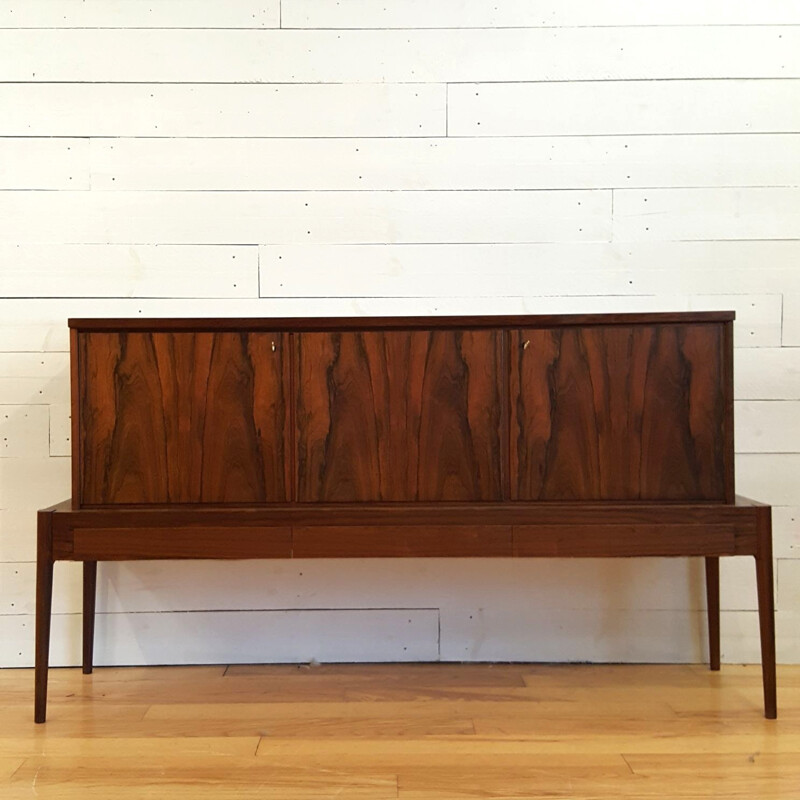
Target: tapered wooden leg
<point>89,596</point>
<point>766,612</point>
<point>44,598</point>
<point>712,602</point>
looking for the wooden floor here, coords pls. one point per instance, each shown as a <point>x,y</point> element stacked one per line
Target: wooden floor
<point>415,732</point>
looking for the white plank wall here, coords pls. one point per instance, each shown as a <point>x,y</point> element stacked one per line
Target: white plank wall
<point>302,157</point>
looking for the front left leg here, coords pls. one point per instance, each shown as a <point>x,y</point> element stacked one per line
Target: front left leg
<point>44,602</point>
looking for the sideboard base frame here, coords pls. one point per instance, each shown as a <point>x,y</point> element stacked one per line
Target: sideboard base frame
<point>395,530</point>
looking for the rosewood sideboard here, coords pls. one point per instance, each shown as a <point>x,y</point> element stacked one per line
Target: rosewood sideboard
<point>507,437</point>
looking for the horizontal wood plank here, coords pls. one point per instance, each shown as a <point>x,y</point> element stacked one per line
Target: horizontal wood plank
<point>772,477</point>
<point>547,162</point>
<point>767,426</point>
<point>561,270</point>
<point>475,13</point>
<point>287,636</point>
<point>769,373</point>
<point>193,777</point>
<point>34,365</point>
<point>101,270</point>
<point>34,163</point>
<point>791,328</point>
<point>399,56</point>
<point>141,109</point>
<point>139,14</point>
<point>622,107</point>
<point>23,431</point>
<point>32,482</point>
<point>293,217</point>
<point>747,213</point>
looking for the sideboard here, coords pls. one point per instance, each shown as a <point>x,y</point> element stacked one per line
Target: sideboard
<point>506,437</point>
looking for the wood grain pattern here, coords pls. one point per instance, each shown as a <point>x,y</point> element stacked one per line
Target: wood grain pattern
<point>398,541</point>
<point>182,418</point>
<point>618,413</point>
<point>590,540</point>
<point>422,438</point>
<point>208,541</point>
<point>572,731</point>
<point>406,415</point>
<point>339,530</point>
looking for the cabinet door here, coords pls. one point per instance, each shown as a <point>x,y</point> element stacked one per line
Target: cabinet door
<point>618,413</point>
<point>182,417</point>
<point>399,415</point>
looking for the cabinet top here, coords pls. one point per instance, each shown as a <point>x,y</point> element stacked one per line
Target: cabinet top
<point>389,323</point>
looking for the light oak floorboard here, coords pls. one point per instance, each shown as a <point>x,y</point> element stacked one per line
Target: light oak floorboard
<point>411,731</point>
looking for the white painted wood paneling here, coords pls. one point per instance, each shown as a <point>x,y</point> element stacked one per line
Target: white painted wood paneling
<point>102,109</point>
<point>34,365</point>
<point>767,426</point>
<point>513,13</point>
<point>487,634</point>
<point>681,214</point>
<point>17,544</point>
<point>240,637</point>
<point>396,158</point>
<point>570,268</point>
<point>33,391</point>
<point>139,14</point>
<point>547,162</point>
<point>623,107</point>
<point>60,443</point>
<point>23,328</point>
<point>786,531</point>
<point>421,56</point>
<point>767,374</point>
<point>737,584</point>
<point>253,217</point>
<point>568,635</point>
<point>772,478</point>
<point>24,431</point>
<point>63,270</point>
<point>28,482</point>
<point>788,579</point>
<point>450,584</point>
<point>791,322</point>
<point>532,269</point>
<point>44,163</point>
<point>20,579</point>
<point>740,632</point>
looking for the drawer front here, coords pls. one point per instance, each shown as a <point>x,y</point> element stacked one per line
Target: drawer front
<point>620,413</point>
<point>400,416</point>
<point>182,417</point>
